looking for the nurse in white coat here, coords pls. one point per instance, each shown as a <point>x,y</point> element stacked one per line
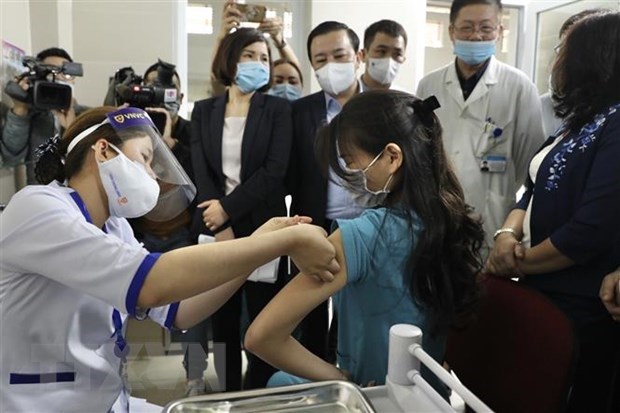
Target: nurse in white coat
<point>71,271</point>
<point>490,112</point>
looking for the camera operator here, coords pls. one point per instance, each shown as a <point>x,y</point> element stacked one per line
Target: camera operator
<point>177,132</point>
<point>27,127</point>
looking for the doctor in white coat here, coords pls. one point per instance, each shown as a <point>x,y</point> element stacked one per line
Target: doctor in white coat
<point>71,271</point>
<point>490,112</point>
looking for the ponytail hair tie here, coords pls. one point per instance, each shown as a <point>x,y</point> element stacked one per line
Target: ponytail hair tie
<point>425,108</point>
<point>49,147</point>
<point>49,162</point>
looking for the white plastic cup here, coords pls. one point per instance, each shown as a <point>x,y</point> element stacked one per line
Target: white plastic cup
<point>400,361</point>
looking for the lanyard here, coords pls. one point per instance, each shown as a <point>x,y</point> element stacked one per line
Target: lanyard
<point>121,350</point>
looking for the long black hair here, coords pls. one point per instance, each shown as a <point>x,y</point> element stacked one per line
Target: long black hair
<point>446,260</point>
<point>585,77</point>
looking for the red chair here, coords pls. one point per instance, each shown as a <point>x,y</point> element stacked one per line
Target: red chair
<point>518,354</point>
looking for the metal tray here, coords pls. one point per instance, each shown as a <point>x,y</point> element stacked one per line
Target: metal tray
<point>320,397</point>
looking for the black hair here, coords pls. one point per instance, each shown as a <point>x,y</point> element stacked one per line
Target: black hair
<point>457,5</point>
<point>570,22</point>
<point>443,265</point>
<point>283,61</point>
<point>585,77</point>
<point>55,52</point>
<point>332,26</point>
<point>389,27</point>
<point>55,164</point>
<point>227,56</point>
<point>154,67</point>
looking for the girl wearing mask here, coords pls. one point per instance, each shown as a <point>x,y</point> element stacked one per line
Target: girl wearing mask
<point>411,259</point>
<point>241,143</point>
<point>71,271</point>
<point>288,83</point>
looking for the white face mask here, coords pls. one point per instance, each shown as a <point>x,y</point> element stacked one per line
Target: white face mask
<point>357,185</point>
<point>169,205</point>
<point>173,108</point>
<point>335,78</point>
<point>130,189</point>
<point>383,70</point>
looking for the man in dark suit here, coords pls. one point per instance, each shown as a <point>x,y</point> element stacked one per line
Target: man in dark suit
<point>333,53</point>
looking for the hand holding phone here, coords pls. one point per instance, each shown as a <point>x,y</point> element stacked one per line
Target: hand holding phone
<point>251,12</point>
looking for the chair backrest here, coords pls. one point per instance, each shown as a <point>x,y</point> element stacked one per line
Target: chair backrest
<point>517,356</point>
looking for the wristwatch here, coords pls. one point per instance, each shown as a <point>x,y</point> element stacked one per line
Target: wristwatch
<point>503,230</point>
<point>281,45</point>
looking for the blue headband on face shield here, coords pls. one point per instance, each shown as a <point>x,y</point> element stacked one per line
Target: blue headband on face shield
<point>119,120</point>
<point>129,118</point>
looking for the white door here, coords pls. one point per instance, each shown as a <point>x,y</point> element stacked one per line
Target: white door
<point>544,20</point>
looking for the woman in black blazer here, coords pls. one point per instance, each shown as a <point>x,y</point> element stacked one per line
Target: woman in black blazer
<point>241,144</point>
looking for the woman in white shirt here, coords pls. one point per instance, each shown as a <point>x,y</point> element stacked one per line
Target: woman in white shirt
<point>241,144</point>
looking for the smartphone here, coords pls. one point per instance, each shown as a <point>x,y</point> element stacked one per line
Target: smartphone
<point>252,12</point>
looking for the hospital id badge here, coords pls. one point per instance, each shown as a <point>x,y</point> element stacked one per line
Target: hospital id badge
<point>493,164</point>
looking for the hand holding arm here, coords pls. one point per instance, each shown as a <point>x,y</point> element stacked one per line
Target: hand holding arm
<point>187,272</point>
<point>269,336</point>
<point>610,293</point>
<point>195,309</point>
<point>507,248</point>
<point>542,258</point>
<point>214,215</point>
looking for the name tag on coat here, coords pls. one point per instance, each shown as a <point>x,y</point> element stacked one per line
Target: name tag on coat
<point>493,163</point>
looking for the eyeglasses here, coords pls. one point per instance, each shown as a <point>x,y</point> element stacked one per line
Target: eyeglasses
<point>468,29</point>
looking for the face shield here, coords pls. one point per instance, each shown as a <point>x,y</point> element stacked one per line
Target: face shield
<point>176,189</point>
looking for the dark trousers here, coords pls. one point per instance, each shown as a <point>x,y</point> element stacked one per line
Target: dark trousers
<point>595,378</point>
<point>227,337</point>
<point>195,343</point>
<point>596,386</point>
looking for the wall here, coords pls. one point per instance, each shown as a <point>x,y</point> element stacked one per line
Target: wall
<point>14,28</point>
<point>111,35</point>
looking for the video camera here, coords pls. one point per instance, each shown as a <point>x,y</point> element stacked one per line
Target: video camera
<point>45,91</point>
<point>130,88</point>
